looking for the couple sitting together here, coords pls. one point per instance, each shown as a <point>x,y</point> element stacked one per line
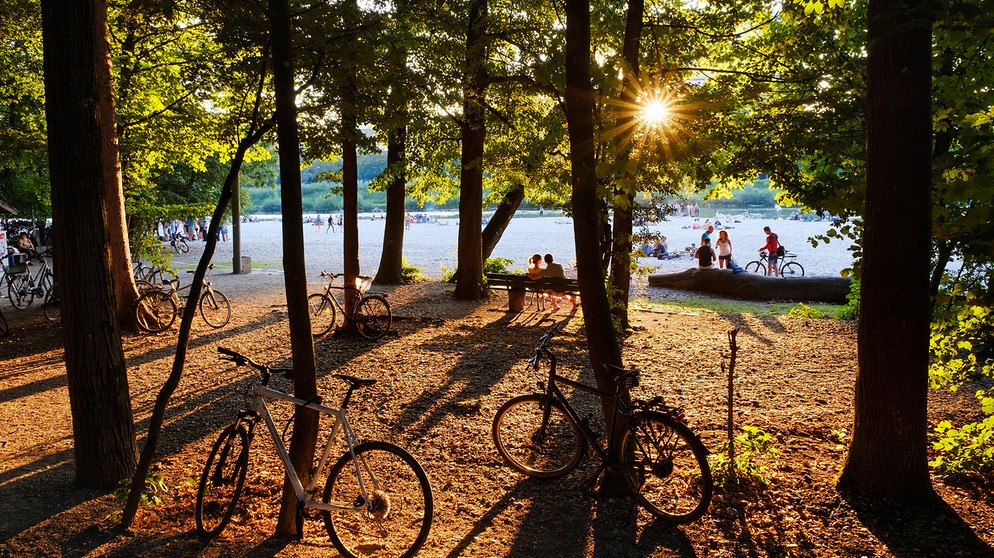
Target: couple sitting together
<point>553,270</point>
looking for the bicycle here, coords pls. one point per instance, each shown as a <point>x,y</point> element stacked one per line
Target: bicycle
<point>663,462</point>
<point>22,288</point>
<point>158,307</point>
<point>377,497</point>
<point>146,276</point>
<point>372,316</point>
<point>179,243</point>
<point>785,267</point>
<point>51,305</point>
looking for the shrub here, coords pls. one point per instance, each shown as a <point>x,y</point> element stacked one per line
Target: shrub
<point>752,444</point>
<point>851,309</point>
<point>805,311</point>
<point>410,273</point>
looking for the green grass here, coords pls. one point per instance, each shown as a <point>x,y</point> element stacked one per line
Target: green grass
<point>730,306</point>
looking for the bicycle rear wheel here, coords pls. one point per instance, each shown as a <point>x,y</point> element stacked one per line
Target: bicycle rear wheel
<point>322,314</point>
<point>666,467</point>
<point>396,518</point>
<point>215,308</point>
<point>156,311</point>
<point>792,269</point>
<point>19,291</point>
<point>756,266</point>
<point>222,480</point>
<point>372,316</point>
<point>534,435</point>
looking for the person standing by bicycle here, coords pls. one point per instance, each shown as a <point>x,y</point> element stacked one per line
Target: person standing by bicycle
<point>771,247</point>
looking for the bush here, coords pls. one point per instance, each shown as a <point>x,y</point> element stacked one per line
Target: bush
<point>851,309</point>
<point>805,311</point>
<point>410,273</point>
<point>750,445</point>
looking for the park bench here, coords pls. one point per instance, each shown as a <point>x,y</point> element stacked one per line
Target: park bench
<point>518,285</point>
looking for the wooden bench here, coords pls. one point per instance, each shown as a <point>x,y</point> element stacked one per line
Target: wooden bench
<point>517,285</point>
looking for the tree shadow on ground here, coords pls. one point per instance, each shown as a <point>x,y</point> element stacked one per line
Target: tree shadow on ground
<point>922,531</point>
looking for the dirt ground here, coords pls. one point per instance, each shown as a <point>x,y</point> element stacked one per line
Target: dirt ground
<point>442,372</point>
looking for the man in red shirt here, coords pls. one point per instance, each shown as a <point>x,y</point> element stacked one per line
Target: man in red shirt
<point>771,246</point>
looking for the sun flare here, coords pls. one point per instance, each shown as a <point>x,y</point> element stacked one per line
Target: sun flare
<point>655,111</point>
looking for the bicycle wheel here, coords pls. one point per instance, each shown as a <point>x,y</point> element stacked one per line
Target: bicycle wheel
<point>53,310</point>
<point>222,480</point>
<point>156,311</point>
<point>47,284</point>
<point>182,247</point>
<point>792,269</point>
<point>372,316</point>
<point>322,314</point>
<point>215,308</point>
<point>144,286</point>
<point>756,266</point>
<point>397,517</point>
<point>537,438</point>
<point>666,467</point>
<point>19,291</point>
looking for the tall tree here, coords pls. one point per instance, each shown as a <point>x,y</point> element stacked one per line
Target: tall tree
<point>81,147</point>
<point>474,133</point>
<point>602,343</point>
<point>888,453</point>
<point>305,425</point>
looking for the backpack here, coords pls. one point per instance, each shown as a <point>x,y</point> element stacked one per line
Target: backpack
<point>781,250</point>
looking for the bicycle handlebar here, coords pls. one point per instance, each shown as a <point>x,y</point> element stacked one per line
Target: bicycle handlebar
<point>242,360</point>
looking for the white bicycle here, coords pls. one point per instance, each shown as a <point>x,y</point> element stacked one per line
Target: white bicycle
<point>377,500</point>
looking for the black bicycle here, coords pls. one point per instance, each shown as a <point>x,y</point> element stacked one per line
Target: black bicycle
<point>662,461</point>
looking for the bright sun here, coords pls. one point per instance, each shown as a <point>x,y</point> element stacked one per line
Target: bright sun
<point>655,112</point>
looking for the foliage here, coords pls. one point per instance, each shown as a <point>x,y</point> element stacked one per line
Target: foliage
<point>751,446</point>
<point>805,311</point>
<point>963,353</point>
<point>497,265</point>
<point>850,311</point>
<point>410,273</point>
<point>154,485</point>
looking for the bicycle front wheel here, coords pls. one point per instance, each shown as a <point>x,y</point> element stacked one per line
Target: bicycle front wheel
<point>792,269</point>
<point>322,314</point>
<point>53,310</point>
<point>215,308</point>
<point>156,311</point>
<point>394,516</point>
<point>182,247</point>
<point>19,291</point>
<point>222,480</point>
<point>372,316</point>
<point>666,467</point>
<point>534,435</point>
<point>756,266</point>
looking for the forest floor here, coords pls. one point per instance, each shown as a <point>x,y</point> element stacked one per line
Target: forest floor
<point>442,372</point>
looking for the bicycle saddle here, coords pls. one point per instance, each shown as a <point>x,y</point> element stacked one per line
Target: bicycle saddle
<point>355,382</point>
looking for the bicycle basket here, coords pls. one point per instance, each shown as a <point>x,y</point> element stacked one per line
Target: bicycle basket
<point>362,283</point>
<point>17,263</point>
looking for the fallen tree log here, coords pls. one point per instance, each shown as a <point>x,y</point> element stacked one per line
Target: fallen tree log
<point>750,286</point>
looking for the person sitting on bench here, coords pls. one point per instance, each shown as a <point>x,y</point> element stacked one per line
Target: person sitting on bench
<point>554,270</point>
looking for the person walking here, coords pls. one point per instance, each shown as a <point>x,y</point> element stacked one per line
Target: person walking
<point>771,247</point>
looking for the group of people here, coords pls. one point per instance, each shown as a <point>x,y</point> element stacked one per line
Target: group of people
<point>706,255</point>
<point>552,269</point>
<point>24,246</point>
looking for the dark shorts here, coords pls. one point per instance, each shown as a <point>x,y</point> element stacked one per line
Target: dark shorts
<point>725,258</point>
<point>773,258</point>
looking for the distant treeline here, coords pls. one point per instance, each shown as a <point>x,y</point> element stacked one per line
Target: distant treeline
<point>320,194</point>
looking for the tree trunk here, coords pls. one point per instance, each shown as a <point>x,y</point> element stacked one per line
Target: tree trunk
<point>305,422</point>
<point>392,256</point>
<point>888,453</point>
<point>469,284</point>
<point>125,292</point>
<point>601,341</point>
<point>624,194</point>
<point>75,37</point>
<point>501,219</point>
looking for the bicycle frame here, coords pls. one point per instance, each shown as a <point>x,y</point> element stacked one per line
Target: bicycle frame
<point>552,390</point>
<point>259,410</point>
